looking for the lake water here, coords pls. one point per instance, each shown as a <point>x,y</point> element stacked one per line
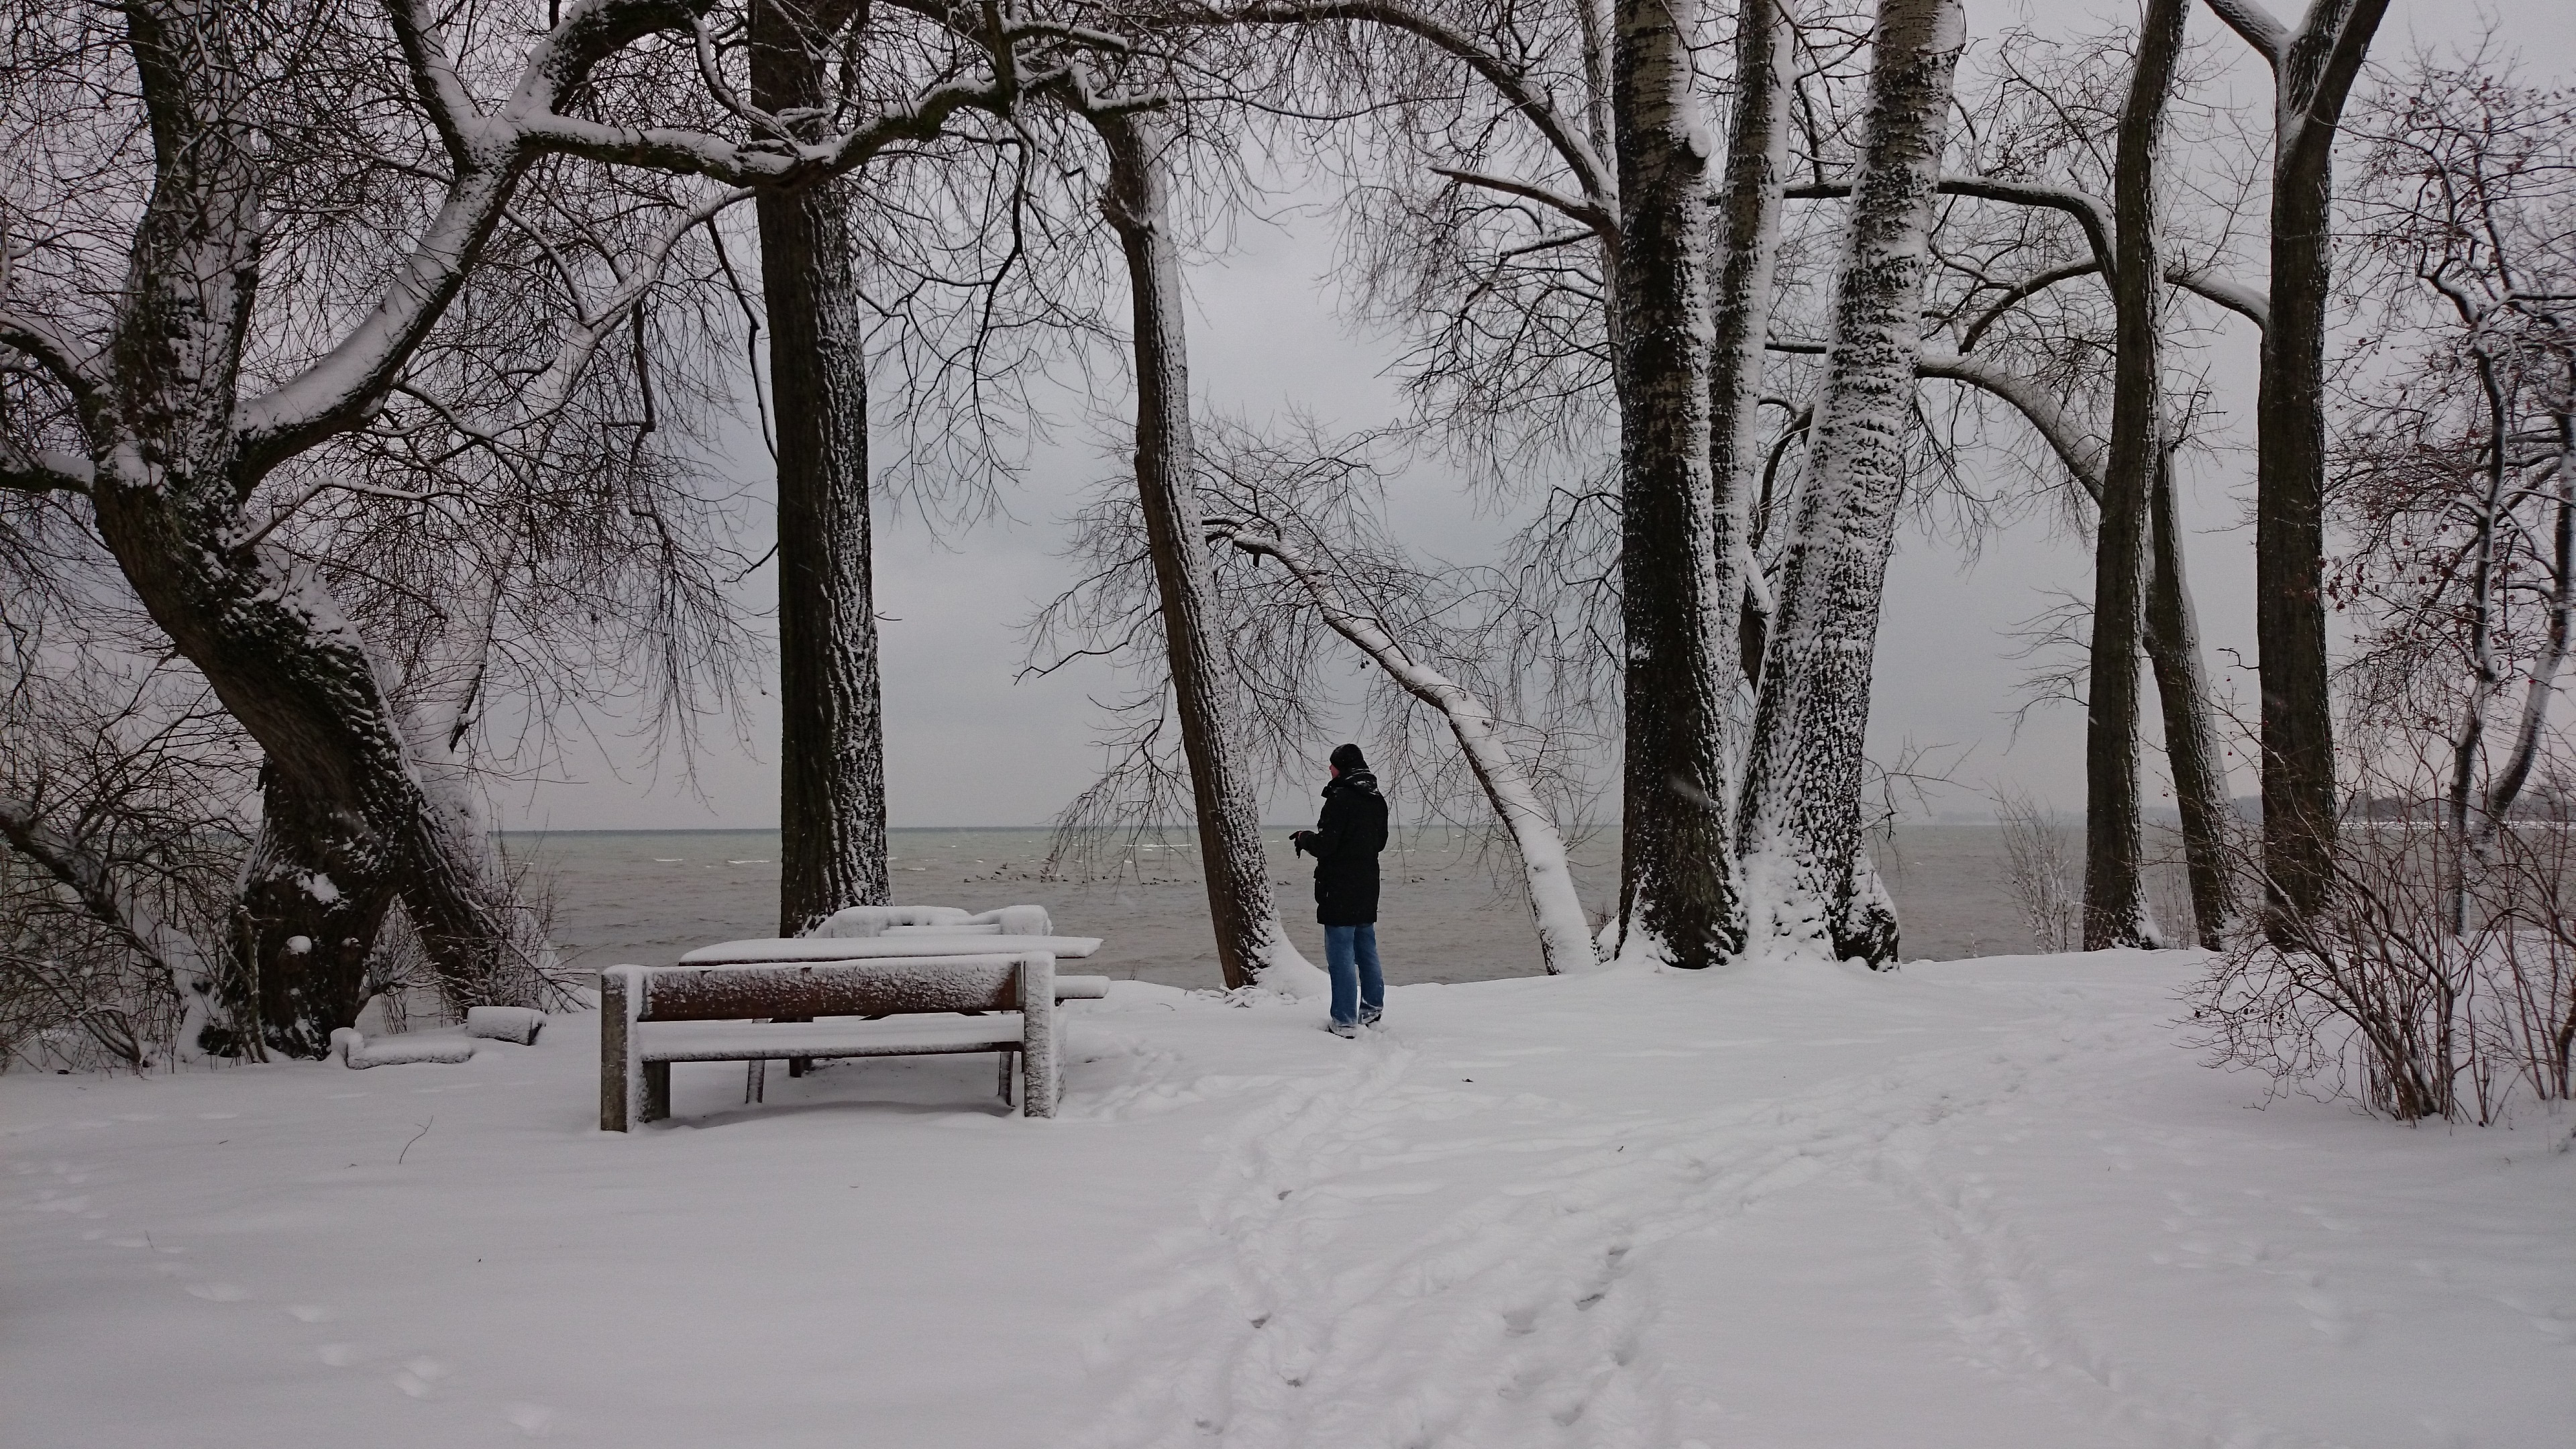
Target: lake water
<point>647,896</point>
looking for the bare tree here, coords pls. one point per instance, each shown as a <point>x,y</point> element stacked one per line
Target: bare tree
<point>169,420</point>
<point>2313,70</point>
<point>1565,943</point>
<point>1805,861</point>
<point>2458,468</point>
<point>1251,946</point>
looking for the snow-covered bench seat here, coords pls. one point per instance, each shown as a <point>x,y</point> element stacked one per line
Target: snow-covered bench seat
<point>652,1016</point>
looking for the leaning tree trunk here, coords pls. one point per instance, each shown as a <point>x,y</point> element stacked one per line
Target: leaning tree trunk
<point>832,820</point>
<point>2191,733</point>
<point>2115,900</point>
<point>1564,939</point>
<point>1806,868</point>
<point>1678,900</point>
<point>1249,941</point>
<point>170,475</point>
<point>2313,70</point>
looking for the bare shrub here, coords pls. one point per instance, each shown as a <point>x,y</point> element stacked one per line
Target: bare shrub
<point>2381,998</point>
<point>2042,863</point>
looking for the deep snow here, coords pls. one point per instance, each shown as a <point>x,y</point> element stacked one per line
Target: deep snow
<point>1988,1203</point>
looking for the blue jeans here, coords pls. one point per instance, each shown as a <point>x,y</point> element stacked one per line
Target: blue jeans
<point>1359,990</point>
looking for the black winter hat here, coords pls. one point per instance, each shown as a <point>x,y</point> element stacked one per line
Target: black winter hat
<point>1347,758</point>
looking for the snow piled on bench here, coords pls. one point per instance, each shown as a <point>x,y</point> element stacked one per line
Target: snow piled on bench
<point>1987,1203</point>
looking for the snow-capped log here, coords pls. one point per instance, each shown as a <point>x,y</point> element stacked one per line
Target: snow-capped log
<point>1807,877</point>
<point>194,972</point>
<point>1677,884</point>
<point>831,732</point>
<point>1251,947</point>
<point>1565,940</point>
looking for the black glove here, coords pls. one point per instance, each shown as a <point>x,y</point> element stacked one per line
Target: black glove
<point>1297,840</point>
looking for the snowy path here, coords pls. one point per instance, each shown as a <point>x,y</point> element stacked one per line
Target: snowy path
<point>1979,1204</point>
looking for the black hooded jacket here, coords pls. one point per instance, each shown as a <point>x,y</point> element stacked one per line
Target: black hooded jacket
<point>1345,843</point>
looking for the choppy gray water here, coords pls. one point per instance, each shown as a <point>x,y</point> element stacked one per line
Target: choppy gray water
<point>647,896</point>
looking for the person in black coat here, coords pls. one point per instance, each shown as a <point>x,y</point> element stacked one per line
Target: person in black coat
<point>1345,843</point>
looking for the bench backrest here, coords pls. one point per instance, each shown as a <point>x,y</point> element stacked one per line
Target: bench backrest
<point>894,986</point>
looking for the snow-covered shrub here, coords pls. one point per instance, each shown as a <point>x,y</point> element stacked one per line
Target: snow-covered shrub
<point>2044,866</point>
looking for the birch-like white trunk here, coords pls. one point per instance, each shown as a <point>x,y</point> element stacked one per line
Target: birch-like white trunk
<point>1807,875</point>
<point>1564,937</point>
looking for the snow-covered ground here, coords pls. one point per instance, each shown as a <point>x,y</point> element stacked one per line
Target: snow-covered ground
<point>1986,1203</point>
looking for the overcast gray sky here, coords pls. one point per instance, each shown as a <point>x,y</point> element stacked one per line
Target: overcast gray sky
<point>967,746</point>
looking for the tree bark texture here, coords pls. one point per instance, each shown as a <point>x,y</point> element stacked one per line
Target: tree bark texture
<point>1805,861</point>
<point>2313,69</point>
<point>2192,752</point>
<point>1678,899</point>
<point>1748,252</point>
<point>832,820</point>
<point>170,479</point>
<point>2115,901</point>
<point>304,923</point>
<point>1248,936</point>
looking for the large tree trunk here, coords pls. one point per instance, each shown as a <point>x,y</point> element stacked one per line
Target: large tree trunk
<point>2191,733</point>
<point>1806,868</point>
<point>1678,900</point>
<point>2115,902</point>
<point>832,823</point>
<point>286,662</point>
<point>1251,948</point>
<point>312,899</point>
<point>2313,69</point>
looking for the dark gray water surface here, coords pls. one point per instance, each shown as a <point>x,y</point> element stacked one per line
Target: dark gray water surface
<point>647,896</point>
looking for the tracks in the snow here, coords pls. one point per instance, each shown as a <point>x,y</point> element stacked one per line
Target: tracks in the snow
<point>1342,1290</point>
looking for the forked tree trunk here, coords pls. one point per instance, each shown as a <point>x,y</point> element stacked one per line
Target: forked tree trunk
<point>2313,70</point>
<point>1678,900</point>
<point>1806,869</point>
<point>1251,947</point>
<point>2115,900</point>
<point>170,477</point>
<point>2191,733</point>
<point>832,820</point>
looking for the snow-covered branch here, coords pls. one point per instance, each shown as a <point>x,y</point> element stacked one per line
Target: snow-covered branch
<point>2088,210</point>
<point>1564,939</point>
<point>2256,26</point>
<point>1600,187</point>
<point>2234,296</point>
<point>42,472</point>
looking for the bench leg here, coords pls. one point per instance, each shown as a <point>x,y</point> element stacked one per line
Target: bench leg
<point>1039,1058</point>
<point>755,1081</point>
<point>657,1091</point>
<point>1006,1076</point>
<point>621,1077</point>
<point>799,1066</point>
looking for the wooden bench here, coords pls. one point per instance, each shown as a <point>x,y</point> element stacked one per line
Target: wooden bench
<point>652,1016</point>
